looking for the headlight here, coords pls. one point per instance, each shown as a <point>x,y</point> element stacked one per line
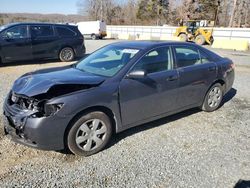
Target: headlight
<point>51,109</point>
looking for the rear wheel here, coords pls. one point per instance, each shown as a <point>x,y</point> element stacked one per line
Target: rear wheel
<point>89,134</point>
<point>93,37</point>
<point>66,54</point>
<point>213,98</point>
<point>211,40</point>
<point>183,37</point>
<point>200,40</point>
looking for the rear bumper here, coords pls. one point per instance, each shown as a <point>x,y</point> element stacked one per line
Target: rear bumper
<point>46,133</point>
<point>80,51</point>
<point>230,75</point>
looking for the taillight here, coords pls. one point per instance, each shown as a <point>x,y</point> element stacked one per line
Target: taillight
<point>232,66</point>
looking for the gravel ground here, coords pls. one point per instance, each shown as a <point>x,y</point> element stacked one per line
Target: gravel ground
<point>190,149</point>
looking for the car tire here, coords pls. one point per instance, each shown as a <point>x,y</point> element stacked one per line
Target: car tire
<point>89,134</point>
<point>200,40</point>
<point>213,98</point>
<point>66,54</point>
<point>93,37</point>
<point>211,40</point>
<point>183,37</point>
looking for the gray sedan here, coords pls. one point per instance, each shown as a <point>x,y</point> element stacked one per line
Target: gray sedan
<point>122,85</point>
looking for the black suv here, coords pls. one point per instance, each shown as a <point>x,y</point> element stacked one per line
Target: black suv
<point>26,41</point>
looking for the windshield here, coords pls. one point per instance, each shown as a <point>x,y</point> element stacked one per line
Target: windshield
<point>3,27</point>
<point>107,61</point>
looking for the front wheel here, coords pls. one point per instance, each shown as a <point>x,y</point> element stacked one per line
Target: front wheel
<point>200,40</point>
<point>213,98</point>
<point>183,37</point>
<point>66,54</point>
<point>89,134</point>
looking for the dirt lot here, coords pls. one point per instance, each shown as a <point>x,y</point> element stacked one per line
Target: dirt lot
<point>190,149</point>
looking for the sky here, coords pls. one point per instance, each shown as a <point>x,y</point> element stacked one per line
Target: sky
<point>39,6</point>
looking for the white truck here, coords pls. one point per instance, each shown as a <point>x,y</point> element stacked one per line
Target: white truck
<point>93,29</point>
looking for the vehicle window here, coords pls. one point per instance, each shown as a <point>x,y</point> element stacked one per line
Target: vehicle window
<point>41,31</point>
<point>16,32</point>
<point>3,27</point>
<point>107,61</point>
<point>204,57</point>
<point>187,56</point>
<point>155,61</point>
<point>63,31</point>
<point>153,53</point>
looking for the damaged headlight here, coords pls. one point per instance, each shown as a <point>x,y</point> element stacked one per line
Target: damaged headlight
<point>51,109</point>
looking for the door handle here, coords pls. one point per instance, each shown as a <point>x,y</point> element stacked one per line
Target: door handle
<point>212,68</point>
<point>172,78</point>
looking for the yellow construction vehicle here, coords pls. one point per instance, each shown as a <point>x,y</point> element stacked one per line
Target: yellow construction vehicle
<point>192,30</point>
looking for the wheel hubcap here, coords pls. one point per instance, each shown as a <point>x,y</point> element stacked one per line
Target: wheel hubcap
<point>214,97</point>
<point>91,134</point>
<point>67,54</point>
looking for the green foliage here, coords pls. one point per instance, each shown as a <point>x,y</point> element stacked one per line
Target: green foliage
<point>207,9</point>
<point>153,10</point>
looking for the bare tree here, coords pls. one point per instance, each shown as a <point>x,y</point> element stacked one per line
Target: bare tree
<point>247,15</point>
<point>95,10</point>
<point>233,12</point>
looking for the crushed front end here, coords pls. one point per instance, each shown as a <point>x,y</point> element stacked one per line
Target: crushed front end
<point>34,123</point>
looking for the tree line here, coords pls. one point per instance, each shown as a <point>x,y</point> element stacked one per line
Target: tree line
<point>226,13</point>
<point>6,18</point>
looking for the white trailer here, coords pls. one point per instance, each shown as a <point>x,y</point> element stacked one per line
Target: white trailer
<point>93,29</point>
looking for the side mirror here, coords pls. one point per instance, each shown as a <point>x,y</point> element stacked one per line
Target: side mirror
<point>7,36</point>
<point>137,74</point>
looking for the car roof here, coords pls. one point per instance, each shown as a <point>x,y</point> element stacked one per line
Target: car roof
<point>149,44</point>
<point>38,23</point>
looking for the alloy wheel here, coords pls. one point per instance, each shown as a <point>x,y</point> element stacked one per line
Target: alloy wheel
<point>214,97</point>
<point>91,134</point>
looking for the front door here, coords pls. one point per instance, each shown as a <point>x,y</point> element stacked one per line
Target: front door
<point>16,44</point>
<point>153,95</point>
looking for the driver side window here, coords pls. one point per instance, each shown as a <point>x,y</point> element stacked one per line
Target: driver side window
<point>17,32</point>
<point>156,60</point>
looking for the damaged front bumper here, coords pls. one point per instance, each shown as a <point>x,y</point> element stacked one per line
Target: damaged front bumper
<point>45,133</point>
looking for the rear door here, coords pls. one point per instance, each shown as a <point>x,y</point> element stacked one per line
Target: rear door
<point>44,41</point>
<point>16,44</point>
<point>153,95</point>
<point>197,72</point>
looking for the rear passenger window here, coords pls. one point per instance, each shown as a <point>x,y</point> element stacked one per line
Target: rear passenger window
<point>204,57</point>
<point>155,61</point>
<point>63,31</point>
<point>41,31</point>
<point>187,56</point>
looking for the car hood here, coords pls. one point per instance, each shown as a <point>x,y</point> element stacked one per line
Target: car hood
<point>58,80</point>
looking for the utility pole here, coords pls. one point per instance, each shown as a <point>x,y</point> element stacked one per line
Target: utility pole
<point>216,13</point>
<point>101,10</point>
<point>232,16</point>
